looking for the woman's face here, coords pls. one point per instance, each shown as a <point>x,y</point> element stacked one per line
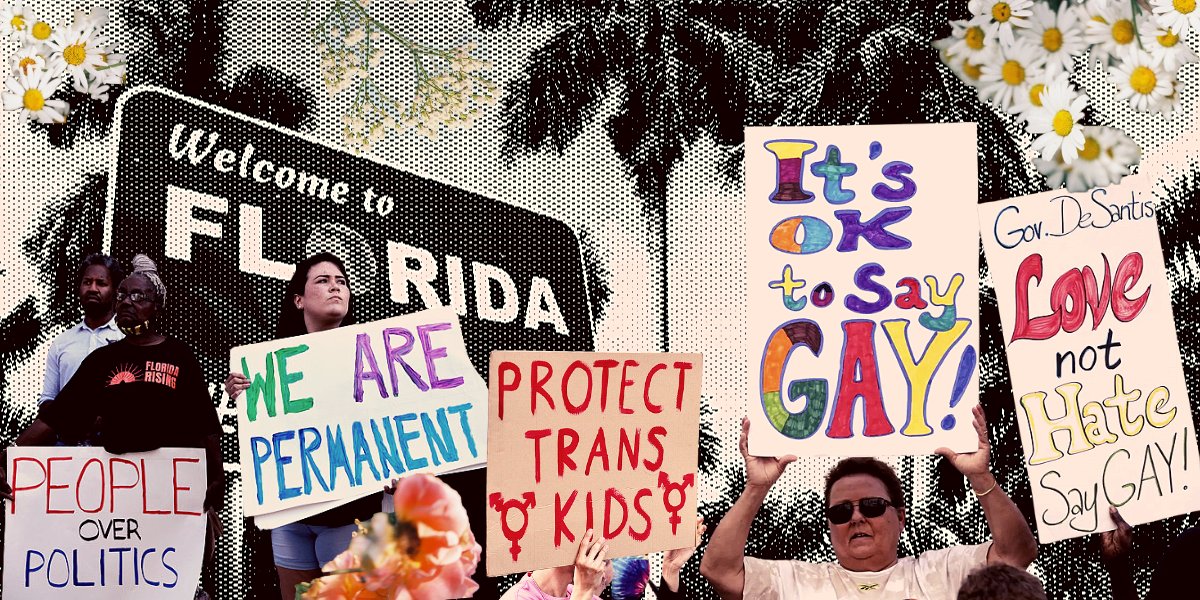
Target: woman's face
<point>131,313</point>
<point>326,293</point>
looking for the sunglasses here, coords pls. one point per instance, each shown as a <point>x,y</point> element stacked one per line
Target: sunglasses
<point>839,514</point>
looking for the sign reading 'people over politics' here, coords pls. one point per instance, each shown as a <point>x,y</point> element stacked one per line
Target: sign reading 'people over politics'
<point>336,415</point>
<point>88,524</point>
<point>596,441</point>
<point>862,288</point>
<point>1101,399</point>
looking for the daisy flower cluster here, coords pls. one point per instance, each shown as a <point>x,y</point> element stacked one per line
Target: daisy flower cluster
<point>1021,55</point>
<point>49,55</point>
<point>448,87</point>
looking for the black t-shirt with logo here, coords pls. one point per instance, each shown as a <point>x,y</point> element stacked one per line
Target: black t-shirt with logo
<point>147,397</point>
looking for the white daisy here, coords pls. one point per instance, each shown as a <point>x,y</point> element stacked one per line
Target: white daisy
<point>1057,120</point>
<point>92,87</point>
<point>30,58</point>
<point>1140,79</point>
<point>79,47</point>
<point>39,32</point>
<point>30,94</point>
<point>971,42</point>
<point>15,19</point>
<point>1111,33</point>
<point>1166,47</point>
<point>1022,104</point>
<point>1118,152</point>
<point>1059,35</point>
<point>1180,16</point>
<point>115,70</point>
<point>1009,75</point>
<point>998,17</point>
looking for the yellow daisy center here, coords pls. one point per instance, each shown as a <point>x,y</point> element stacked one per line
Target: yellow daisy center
<point>1052,39</point>
<point>18,22</point>
<point>26,63</point>
<point>1168,40</point>
<point>74,55</point>
<point>1122,31</point>
<point>1099,19</point>
<point>1143,80</point>
<point>972,71</point>
<point>974,38</point>
<point>1063,123</point>
<point>1184,6</point>
<point>1013,72</point>
<point>1091,149</point>
<point>41,30</point>
<point>1001,12</point>
<point>34,100</point>
<point>1035,94</point>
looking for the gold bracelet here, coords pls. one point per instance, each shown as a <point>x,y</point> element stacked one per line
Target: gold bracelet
<point>989,490</point>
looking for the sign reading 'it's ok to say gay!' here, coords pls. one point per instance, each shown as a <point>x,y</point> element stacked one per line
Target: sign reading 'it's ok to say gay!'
<point>863,290</point>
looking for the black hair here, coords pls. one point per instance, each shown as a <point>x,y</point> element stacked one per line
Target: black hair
<point>863,465</point>
<point>115,273</point>
<point>1001,581</point>
<point>291,319</point>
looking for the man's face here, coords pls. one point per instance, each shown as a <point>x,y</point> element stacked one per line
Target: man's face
<point>865,544</point>
<point>96,290</point>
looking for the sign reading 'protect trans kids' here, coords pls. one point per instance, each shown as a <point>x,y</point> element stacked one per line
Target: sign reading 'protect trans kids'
<point>1097,379</point>
<point>334,416</point>
<point>862,284</point>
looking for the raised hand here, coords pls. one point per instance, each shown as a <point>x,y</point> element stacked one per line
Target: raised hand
<point>972,464</point>
<point>761,471</point>
<point>589,567</point>
<point>235,383</point>
<point>1116,543</point>
<point>673,560</point>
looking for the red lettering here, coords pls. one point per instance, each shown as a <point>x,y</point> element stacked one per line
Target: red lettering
<point>683,368</point>
<point>1080,287</point>
<point>637,505</point>
<point>112,492</point>
<point>1128,273</point>
<point>633,450</point>
<point>560,511</point>
<point>507,367</point>
<point>536,435</point>
<point>79,486</point>
<point>1041,328</point>
<point>654,408</point>
<point>652,437</point>
<point>599,448</point>
<point>859,356</point>
<point>51,487</point>
<point>536,386</point>
<point>564,451</point>
<point>16,488</point>
<point>1069,285</point>
<point>571,408</point>
<point>911,298</point>
<point>604,365</point>
<point>625,382</point>
<point>1097,301</point>
<point>146,509</point>
<point>175,483</point>
<point>588,506</point>
<point>609,495</point>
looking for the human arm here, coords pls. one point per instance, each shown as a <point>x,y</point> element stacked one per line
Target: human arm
<point>235,383</point>
<point>1012,541</point>
<point>52,383</point>
<point>673,560</point>
<point>1114,555</point>
<point>589,567</point>
<point>723,564</point>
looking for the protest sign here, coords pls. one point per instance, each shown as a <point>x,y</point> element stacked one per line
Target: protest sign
<point>599,441</point>
<point>88,524</point>
<point>862,289</point>
<point>1100,395</point>
<point>336,415</point>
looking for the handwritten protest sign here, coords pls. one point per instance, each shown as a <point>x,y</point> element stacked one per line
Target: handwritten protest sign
<point>1096,375</point>
<point>86,523</point>
<point>336,415</point>
<point>597,441</point>
<point>861,275</point>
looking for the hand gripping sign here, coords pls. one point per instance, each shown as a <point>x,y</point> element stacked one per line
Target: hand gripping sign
<point>586,441</point>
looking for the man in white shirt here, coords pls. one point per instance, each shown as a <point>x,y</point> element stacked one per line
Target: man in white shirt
<point>865,512</point>
<point>97,278</point>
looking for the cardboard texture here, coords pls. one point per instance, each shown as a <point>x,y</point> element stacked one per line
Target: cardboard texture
<point>86,523</point>
<point>863,290</point>
<point>1097,380</point>
<point>606,441</point>
<point>334,416</point>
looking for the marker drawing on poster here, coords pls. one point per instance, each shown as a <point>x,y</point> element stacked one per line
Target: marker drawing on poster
<point>597,441</point>
<point>862,283</point>
<point>336,415</point>
<point>86,523</point>
<point>1097,379</point>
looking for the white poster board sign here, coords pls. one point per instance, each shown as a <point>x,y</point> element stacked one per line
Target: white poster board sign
<point>1100,396</point>
<point>862,288</point>
<point>89,524</point>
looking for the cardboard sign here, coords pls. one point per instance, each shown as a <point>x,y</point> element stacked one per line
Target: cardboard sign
<point>597,441</point>
<point>1097,380</point>
<point>89,524</point>
<point>336,415</point>
<point>862,284</point>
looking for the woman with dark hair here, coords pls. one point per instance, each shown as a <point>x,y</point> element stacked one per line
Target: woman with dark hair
<point>316,299</point>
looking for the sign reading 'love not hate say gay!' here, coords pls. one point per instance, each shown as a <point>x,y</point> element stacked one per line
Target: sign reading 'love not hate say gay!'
<point>1101,400</point>
<point>598,441</point>
<point>862,288</point>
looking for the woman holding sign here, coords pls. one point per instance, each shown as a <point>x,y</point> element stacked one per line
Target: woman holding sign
<point>316,299</point>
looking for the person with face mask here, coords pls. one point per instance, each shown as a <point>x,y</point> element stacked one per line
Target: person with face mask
<point>865,510</point>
